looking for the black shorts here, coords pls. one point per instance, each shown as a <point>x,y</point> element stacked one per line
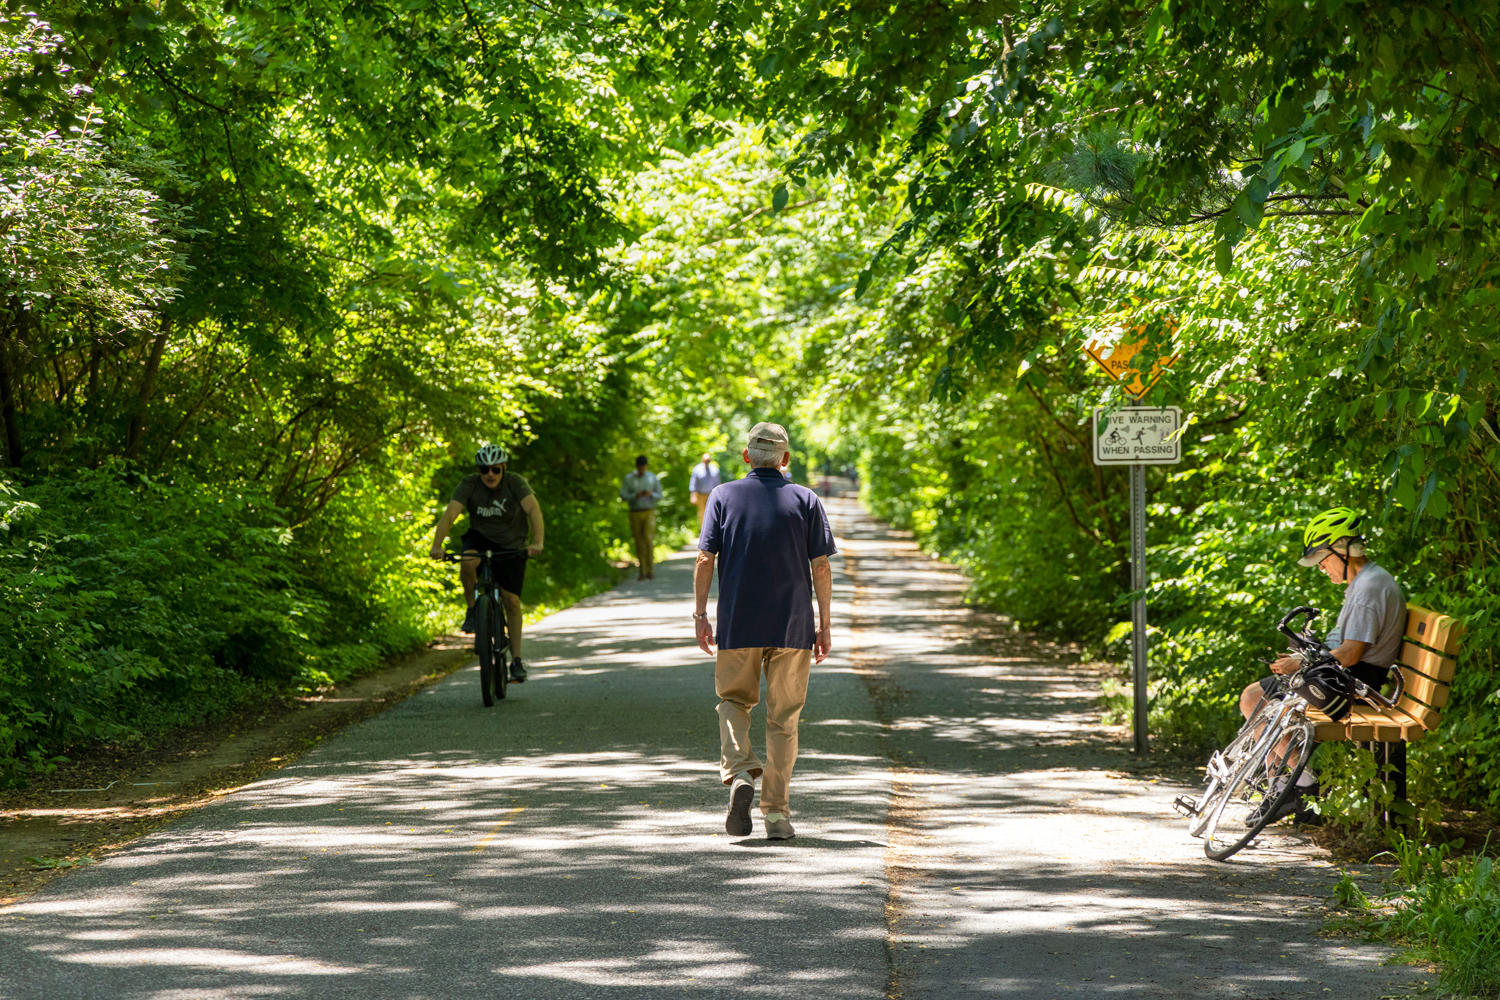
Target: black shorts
<point>509,568</point>
<point>1375,677</point>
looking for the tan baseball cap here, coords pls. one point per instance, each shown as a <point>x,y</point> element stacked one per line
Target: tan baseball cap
<point>766,435</point>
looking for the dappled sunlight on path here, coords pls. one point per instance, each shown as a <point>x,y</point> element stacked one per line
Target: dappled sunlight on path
<point>966,828</point>
<point>1031,857</point>
<point>567,842</point>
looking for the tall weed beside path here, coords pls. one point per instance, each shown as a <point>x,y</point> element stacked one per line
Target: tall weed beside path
<point>1442,909</point>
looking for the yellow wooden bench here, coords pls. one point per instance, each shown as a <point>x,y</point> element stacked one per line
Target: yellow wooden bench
<point>1429,652</point>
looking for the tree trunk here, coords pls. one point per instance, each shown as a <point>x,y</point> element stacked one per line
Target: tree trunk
<point>135,429</point>
<point>14,450</point>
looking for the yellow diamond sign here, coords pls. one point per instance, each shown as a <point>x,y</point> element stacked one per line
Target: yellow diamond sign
<point>1118,361</point>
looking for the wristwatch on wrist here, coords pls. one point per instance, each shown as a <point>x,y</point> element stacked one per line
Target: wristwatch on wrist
<point>700,615</point>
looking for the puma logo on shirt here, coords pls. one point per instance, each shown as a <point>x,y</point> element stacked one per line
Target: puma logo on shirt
<point>495,509</point>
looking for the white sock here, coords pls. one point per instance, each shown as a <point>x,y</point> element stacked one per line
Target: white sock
<point>746,776</point>
<point>1307,778</point>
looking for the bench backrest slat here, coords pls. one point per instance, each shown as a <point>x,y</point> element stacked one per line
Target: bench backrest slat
<point>1432,629</point>
<point>1427,665</point>
<point>1424,669</point>
<point>1419,690</point>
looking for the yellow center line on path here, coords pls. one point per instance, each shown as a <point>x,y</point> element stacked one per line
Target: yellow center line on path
<point>495,830</point>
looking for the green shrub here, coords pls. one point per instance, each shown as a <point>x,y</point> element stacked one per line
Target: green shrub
<point>1442,909</point>
<point>134,605</point>
<point>131,605</point>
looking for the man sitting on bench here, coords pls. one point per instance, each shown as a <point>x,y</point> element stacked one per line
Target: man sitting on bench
<point>1366,638</point>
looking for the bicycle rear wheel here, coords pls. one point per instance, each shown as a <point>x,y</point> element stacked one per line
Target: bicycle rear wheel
<point>1265,781</point>
<point>484,645</point>
<point>502,648</point>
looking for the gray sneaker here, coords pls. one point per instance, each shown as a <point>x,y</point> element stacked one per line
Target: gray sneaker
<point>741,794</point>
<point>471,620</point>
<point>778,827</point>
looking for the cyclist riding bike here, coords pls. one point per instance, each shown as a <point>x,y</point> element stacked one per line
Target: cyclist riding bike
<point>504,517</point>
<point>1366,638</point>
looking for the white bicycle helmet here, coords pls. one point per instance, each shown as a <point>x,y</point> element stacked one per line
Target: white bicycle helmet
<point>491,454</point>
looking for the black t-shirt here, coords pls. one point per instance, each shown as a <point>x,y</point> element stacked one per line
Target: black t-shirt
<point>496,513</point>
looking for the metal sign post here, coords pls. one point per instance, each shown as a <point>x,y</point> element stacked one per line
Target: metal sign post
<point>1138,436</point>
<point>1138,605</point>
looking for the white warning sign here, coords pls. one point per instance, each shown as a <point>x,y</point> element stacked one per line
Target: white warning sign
<point>1138,435</point>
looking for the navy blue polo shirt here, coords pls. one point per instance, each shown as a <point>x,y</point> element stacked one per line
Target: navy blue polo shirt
<point>764,532</point>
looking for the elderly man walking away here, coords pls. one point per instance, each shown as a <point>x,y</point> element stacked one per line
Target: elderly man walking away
<point>642,491</point>
<point>771,542</point>
<point>701,483</point>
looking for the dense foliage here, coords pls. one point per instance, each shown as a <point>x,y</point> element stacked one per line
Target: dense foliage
<point>1310,228</point>
<point>273,269</point>
<point>1438,908</point>
<point>270,276</point>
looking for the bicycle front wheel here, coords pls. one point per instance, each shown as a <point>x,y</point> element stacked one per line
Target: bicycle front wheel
<point>1261,786</point>
<point>484,645</point>
<point>1226,763</point>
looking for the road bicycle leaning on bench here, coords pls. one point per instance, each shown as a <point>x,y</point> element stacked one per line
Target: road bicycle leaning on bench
<point>491,638</point>
<point>1250,778</point>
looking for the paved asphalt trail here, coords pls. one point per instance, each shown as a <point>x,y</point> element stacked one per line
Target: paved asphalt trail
<point>1032,857</point>
<point>964,829</point>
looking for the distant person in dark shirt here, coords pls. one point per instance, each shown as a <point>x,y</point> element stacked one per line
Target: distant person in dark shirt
<point>771,541</point>
<point>503,516</point>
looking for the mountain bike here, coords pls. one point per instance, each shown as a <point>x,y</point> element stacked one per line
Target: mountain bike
<point>1250,779</point>
<point>491,638</point>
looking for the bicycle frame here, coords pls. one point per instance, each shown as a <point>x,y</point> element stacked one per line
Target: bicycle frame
<point>491,633</point>
<point>1224,765</point>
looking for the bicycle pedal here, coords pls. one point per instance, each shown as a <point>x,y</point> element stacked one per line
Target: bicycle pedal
<point>1186,805</point>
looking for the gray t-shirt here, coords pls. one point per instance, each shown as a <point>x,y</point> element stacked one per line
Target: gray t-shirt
<point>634,483</point>
<point>1374,611</point>
<point>496,513</point>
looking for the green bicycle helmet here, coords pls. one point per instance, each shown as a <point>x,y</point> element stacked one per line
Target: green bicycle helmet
<point>1333,525</point>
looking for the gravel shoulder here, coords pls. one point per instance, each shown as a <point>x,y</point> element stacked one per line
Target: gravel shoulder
<point>101,801</point>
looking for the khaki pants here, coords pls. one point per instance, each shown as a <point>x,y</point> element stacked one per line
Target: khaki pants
<point>643,530</point>
<point>737,674</point>
<point>700,500</point>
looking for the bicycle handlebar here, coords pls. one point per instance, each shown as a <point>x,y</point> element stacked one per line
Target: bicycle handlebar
<point>485,553</point>
<point>1304,639</point>
<point>1314,650</point>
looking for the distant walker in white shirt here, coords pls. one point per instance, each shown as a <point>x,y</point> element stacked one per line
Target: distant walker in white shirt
<point>642,491</point>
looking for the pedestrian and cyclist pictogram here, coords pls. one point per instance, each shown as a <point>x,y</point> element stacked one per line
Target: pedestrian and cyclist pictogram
<point>1138,435</point>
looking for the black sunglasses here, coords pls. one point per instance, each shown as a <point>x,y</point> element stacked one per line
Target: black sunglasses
<point>497,470</point>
